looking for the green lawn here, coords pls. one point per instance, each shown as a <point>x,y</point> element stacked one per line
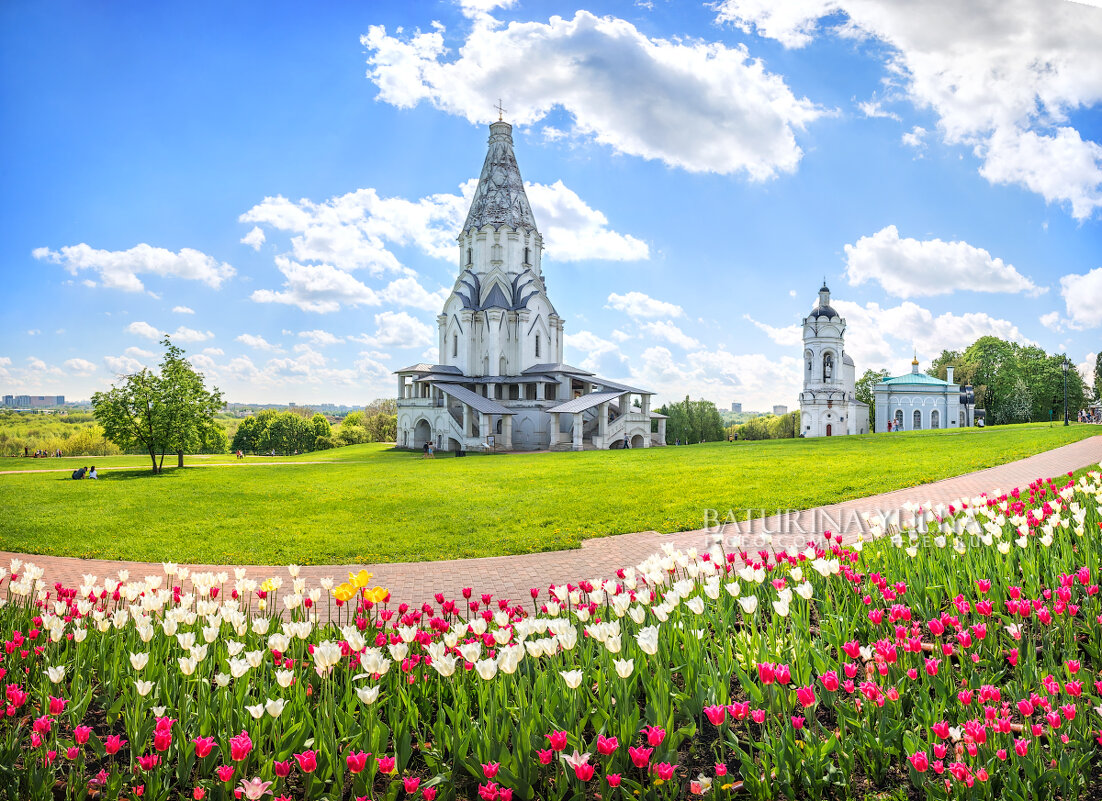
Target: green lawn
<point>371,504</point>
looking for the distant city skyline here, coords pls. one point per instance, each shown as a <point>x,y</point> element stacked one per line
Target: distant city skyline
<point>279,187</point>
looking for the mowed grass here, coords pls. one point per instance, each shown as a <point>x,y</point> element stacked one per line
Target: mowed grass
<point>372,504</point>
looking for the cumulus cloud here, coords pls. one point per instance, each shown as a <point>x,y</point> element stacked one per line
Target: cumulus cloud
<point>255,238</point>
<point>320,288</point>
<point>182,310</point>
<point>1083,297</point>
<point>598,355</point>
<point>398,329</point>
<point>915,138</point>
<point>700,106</point>
<point>907,267</point>
<point>120,365</point>
<point>144,329</point>
<point>1002,75</point>
<point>80,367</point>
<point>789,335</point>
<point>575,231</point>
<point>258,343</point>
<point>1052,321</point>
<point>873,109</point>
<point>119,269</point>
<point>638,304</point>
<point>321,338</point>
<point>409,292</point>
<point>181,334</point>
<point>668,331</point>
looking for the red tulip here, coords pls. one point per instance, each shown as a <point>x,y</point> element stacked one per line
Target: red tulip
<point>356,762</point>
<point>225,773</point>
<point>240,746</point>
<point>640,757</point>
<point>203,746</point>
<point>606,745</point>
<point>655,735</point>
<point>715,714</point>
<point>583,771</point>
<point>429,793</point>
<point>920,761</point>
<point>613,779</point>
<point>57,705</point>
<point>282,769</point>
<point>81,733</point>
<point>664,771</point>
<point>410,783</point>
<point>490,770</point>
<point>113,743</point>
<point>308,761</point>
<point>806,696</point>
<point>557,740</point>
<point>386,765</point>
<point>545,756</point>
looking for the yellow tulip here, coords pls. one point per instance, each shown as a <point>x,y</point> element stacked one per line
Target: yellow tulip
<point>360,579</point>
<point>344,592</point>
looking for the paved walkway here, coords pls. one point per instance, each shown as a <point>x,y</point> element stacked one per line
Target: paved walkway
<point>512,576</point>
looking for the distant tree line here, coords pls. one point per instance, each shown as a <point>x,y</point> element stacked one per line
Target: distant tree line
<point>283,433</point>
<point>767,426</point>
<point>377,423</point>
<point>692,421</point>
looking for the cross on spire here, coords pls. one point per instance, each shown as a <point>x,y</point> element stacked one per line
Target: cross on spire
<point>500,110</point>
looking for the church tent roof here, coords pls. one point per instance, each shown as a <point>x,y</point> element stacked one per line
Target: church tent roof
<point>474,400</point>
<point>584,402</point>
<point>556,368</point>
<point>604,382</point>
<point>499,198</point>
<point>422,367</point>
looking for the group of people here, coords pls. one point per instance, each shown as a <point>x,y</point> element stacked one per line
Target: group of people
<point>427,451</point>
<point>41,454</point>
<point>1090,416</point>
<point>85,472</point>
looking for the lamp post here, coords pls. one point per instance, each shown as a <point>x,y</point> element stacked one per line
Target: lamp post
<point>1065,365</point>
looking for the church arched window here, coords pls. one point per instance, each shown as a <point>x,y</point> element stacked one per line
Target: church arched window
<point>828,366</point>
<point>526,255</point>
<point>455,345</point>
<point>962,420</point>
<point>935,419</point>
<point>807,358</point>
<point>917,420</point>
<point>898,418</point>
<point>537,341</point>
<point>470,259</point>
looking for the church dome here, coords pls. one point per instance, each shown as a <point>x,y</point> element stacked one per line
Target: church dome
<point>824,311</point>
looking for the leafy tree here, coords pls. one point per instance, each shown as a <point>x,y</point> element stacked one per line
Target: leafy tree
<point>948,358</point>
<point>160,412</point>
<point>991,365</point>
<point>863,391</point>
<point>693,421</point>
<point>1018,408</point>
<point>1098,376</point>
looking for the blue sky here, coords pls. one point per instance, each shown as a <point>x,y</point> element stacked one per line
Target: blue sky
<point>279,185</point>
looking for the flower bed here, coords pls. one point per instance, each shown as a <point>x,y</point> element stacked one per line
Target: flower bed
<point>957,658</point>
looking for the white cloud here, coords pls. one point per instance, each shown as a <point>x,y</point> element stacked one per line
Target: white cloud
<point>1083,297</point>
<point>915,138</point>
<point>574,231</point>
<point>139,353</point>
<point>759,380</point>
<point>398,329</point>
<point>144,329</point>
<point>873,110</point>
<point>33,332</point>
<point>883,337</point>
<point>1086,369</point>
<point>120,365</point>
<point>1052,321</point>
<point>320,288</point>
<point>181,334</point>
<point>321,338</point>
<point>184,334</point>
<point>255,238</point>
<point>669,332</point>
<point>39,367</point>
<point>597,355</point>
<point>915,268</point>
<point>638,304</point>
<point>1002,76</point>
<point>700,106</point>
<point>182,310</point>
<point>789,335</point>
<point>209,351</point>
<point>477,8</point>
<point>119,269</point>
<point>409,292</point>
<point>80,367</point>
<point>258,343</point>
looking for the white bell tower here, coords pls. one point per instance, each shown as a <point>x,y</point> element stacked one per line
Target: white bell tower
<point>824,400</point>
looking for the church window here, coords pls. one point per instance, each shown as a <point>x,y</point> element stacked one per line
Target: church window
<point>549,391</point>
<point>537,346</point>
<point>526,255</point>
<point>935,419</point>
<point>962,419</point>
<point>828,365</point>
<point>455,344</point>
<point>899,418</point>
<point>917,417</point>
<point>470,260</point>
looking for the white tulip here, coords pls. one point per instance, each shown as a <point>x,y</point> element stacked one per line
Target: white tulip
<point>487,668</point>
<point>274,708</point>
<point>624,667</point>
<point>696,604</point>
<point>257,711</point>
<point>55,674</point>
<point>573,678</point>
<point>284,678</point>
<point>368,695</point>
<point>187,665</point>
<point>749,604</point>
<point>648,639</point>
<point>143,687</point>
<point>139,661</point>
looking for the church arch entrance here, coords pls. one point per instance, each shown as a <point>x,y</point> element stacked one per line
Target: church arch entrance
<point>962,423</point>
<point>422,433</point>
<point>637,441</point>
<point>829,430</point>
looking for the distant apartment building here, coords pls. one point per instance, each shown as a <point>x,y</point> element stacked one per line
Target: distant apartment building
<point>33,401</point>
<point>736,407</point>
<point>780,410</point>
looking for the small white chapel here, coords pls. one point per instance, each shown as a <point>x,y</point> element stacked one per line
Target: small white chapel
<point>499,381</point>
<point>828,403</point>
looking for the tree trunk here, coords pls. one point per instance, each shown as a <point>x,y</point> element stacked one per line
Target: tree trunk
<point>179,458</point>
<point>153,457</point>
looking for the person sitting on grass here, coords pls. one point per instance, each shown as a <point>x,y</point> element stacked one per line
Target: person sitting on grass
<point>79,473</point>
<point>92,472</point>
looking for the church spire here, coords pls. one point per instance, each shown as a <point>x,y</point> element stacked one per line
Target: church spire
<point>499,198</point>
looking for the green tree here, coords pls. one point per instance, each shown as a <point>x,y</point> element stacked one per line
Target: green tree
<point>863,391</point>
<point>1098,376</point>
<point>991,366</point>
<point>1018,408</point>
<point>170,411</point>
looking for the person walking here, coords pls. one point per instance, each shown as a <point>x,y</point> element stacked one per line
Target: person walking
<point>425,451</point>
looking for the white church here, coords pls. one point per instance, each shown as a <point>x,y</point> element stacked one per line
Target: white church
<point>828,403</point>
<point>500,382</point>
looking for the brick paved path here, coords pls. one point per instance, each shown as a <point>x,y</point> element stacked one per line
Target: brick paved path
<point>512,576</point>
